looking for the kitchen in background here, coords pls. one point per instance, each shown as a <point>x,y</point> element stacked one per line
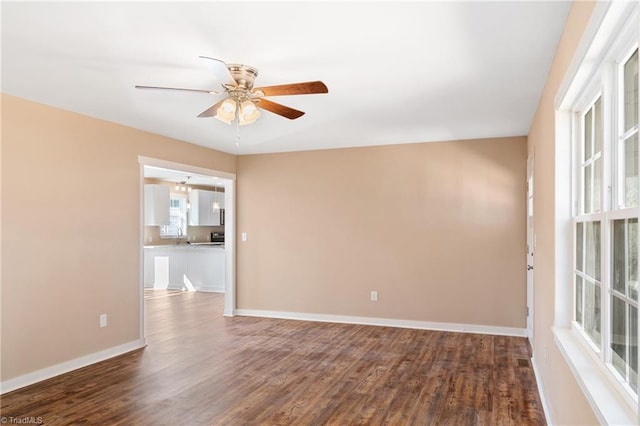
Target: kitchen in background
<point>184,245</point>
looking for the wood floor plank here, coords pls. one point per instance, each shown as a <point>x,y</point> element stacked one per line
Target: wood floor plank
<point>201,368</point>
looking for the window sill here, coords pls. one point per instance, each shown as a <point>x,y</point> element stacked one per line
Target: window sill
<point>602,391</point>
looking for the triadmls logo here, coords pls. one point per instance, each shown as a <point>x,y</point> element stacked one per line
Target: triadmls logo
<point>24,420</point>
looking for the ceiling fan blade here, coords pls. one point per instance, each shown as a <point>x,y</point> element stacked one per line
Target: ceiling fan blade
<point>279,109</point>
<point>212,92</point>
<point>220,70</point>
<point>212,110</point>
<point>308,88</point>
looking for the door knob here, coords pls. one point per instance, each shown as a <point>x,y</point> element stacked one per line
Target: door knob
<point>529,267</point>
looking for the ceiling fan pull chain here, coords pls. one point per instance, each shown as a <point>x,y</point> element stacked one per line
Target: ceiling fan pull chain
<point>238,132</point>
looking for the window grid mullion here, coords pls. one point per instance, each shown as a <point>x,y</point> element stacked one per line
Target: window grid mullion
<point>592,157</point>
<point>608,201</point>
<point>626,305</point>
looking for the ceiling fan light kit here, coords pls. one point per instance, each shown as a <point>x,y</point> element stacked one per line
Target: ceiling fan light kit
<point>248,112</point>
<point>243,101</point>
<point>226,112</point>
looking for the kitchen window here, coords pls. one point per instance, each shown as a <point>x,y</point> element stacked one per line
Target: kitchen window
<point>177,227</point>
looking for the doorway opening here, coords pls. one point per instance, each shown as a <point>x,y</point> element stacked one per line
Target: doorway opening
<point>531,243</point>
<point>187,223</point>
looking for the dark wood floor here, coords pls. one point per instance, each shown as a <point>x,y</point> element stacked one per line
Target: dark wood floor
<point>200,368</point>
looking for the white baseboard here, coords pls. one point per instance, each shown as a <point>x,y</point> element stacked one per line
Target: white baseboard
<point>172,287</point>
<point>211,288</point>
<point>65,367</point>
<point>543,396</point>
<point>388,322</point>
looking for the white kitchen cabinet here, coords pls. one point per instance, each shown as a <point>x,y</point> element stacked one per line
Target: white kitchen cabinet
<point>218,214</point>
<point>205,268</point>
<point>218,263</point>
<point>177,268</point>
<point>202,212</point>
<point>149,274</point>
<point>157,267</point>
<point>220,198</point>
<point>156,205</point>
<point>185,267</point>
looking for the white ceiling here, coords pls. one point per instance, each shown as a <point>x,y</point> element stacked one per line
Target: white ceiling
<point>397,72</point>
<point>171,175</point>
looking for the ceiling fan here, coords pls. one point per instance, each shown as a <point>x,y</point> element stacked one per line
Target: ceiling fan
<point>243,101</point>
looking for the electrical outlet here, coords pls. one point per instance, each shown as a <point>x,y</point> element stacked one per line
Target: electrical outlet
<point>103,320</point>
<point>244,236</point>
<point>374,296</point>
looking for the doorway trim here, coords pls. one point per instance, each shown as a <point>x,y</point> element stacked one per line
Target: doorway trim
<point>230,225</point>
<point>531,244</point>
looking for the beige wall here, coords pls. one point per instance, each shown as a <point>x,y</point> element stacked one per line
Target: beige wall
<point>566,401</point>
<point>71,231</point>
<point>1,237</point>
<point>437,229</point>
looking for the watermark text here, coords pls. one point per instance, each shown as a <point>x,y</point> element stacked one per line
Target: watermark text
<point>22,420</point>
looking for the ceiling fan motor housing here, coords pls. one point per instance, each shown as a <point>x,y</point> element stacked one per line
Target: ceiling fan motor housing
<point>244,75</point>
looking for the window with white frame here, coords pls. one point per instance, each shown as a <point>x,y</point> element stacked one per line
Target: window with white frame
<point>177,227</point>
<point>624,252</point>
<point>606,164</point>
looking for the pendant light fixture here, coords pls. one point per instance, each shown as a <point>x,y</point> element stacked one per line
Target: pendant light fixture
<point>183,186</point>
<point>216,204</point>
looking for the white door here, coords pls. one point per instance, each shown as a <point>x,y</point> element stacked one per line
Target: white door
<point>531,242</point>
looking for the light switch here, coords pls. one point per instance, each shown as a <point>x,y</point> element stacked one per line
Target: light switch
<point>244,236</point>
<point>103,320</point>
